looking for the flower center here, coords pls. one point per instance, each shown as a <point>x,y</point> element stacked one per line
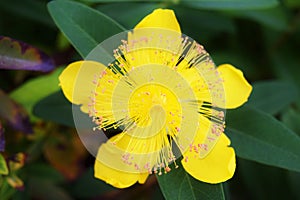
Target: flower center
<point>153,107</point>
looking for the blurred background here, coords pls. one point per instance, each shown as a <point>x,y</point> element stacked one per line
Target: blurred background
<point>39,143</point>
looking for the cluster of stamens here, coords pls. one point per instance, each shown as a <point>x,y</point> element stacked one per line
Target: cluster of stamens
<point>134,85</point>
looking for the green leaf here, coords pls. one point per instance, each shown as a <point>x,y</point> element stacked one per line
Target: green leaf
<point>130,14</point>
<point>36,89</point>
<point>259,179</point>
<point>204,29</point>
<point>43,189</point>
<point>240,59</point>
<point>291,119</point>
<point>44,172</point>
<point>86,186</point>
<point>293,178</point>
<point>258,136</point>
<point>3,166</point>
<point>6,190</point>
<point>178,184</point>
<point>285,65</point>
<point>56,108</point>
<point>276,18</point>
<point>83,26</point>
<point>28,9</point>
<point>292,3</point>
<point>272,96</point>
<point>230,4</point>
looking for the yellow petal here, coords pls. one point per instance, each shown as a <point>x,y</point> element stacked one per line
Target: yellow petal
<point>76,81</point>
<point>218,166</point>
<point>150,40</point>
<point>237,89</point>
<point>160,18</point>
<point>129,154</point>
<point>117,178</point>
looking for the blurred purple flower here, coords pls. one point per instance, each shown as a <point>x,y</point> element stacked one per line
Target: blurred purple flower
<point>18,55</point>
<point>2,139</point>
<point>14,114</point>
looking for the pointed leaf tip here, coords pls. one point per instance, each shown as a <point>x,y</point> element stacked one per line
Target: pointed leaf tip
<point>73,18</point>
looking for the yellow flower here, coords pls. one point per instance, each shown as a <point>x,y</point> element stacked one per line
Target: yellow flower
<point>168,98</point>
